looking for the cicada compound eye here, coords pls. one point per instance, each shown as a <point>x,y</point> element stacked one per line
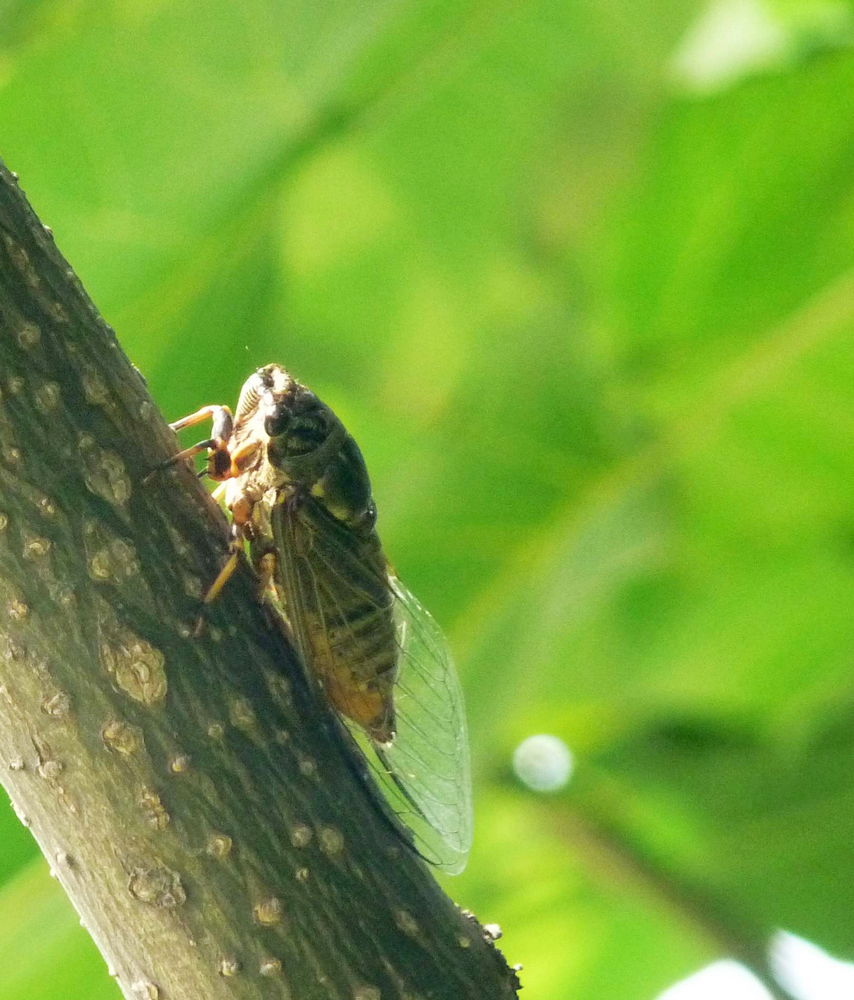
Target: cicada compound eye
<point>277,421</point>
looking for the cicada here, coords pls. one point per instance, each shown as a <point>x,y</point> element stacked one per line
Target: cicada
<point>299,494</point>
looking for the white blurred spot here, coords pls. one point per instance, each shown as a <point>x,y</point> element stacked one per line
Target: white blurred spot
<point>733,39</point>
<point>803,969</point>
<point>721,979</point>
<point>808,972</point>
<point>543,763</point>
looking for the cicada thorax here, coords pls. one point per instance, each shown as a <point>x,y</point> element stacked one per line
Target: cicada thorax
<point>335,566</point>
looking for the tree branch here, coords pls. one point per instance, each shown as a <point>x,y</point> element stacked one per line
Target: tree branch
<point>191,793</point>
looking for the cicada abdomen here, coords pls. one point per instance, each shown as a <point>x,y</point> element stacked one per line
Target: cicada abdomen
<point>333,585</point>
<point>339,603</point>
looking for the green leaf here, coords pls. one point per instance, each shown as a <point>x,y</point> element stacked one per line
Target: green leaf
<point>45,951</point>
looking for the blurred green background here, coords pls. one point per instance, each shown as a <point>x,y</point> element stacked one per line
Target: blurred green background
<point>580,280</point>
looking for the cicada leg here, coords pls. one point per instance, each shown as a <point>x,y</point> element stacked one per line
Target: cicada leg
<point>265,567</point>
<point>224,575</point>
<point>220,465</point>
<point>228,568</point>
<point>220,417</point>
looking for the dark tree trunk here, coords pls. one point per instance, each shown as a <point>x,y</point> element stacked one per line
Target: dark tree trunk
<point>191,794</point>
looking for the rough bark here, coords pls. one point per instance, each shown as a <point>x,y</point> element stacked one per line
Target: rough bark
<point>188,791</point>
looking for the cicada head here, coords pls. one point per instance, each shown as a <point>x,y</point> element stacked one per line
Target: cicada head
<point>293,418</point>
<point>306,446</point>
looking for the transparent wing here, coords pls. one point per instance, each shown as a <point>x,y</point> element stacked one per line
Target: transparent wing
<point>328,586</point>
<point>430,754</point>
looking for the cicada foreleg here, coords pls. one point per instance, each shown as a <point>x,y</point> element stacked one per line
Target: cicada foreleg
<point>219,465</point>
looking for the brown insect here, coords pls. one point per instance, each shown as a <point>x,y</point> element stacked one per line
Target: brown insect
<point>298,491</point>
